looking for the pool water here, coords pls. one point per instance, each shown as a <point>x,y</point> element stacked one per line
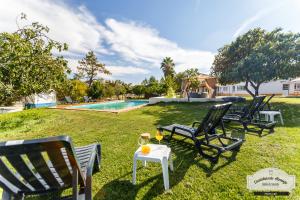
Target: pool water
<point>113,105</point>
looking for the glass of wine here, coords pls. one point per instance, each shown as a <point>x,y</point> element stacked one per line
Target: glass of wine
<point>159,136</point>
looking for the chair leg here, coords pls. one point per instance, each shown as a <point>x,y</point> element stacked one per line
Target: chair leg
<point>245,127</point>
<point>213,159</point>
<point>134,172</point>
<point>170,137</point>
<point>88,188</point>
<point>144,163</point>
<point>171,163</point>
<point>75,184</point>
<point>281,119</point>
<point>165,169</point>
<point>6,195</point>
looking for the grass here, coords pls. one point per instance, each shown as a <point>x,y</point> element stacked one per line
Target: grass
<point>193,178</point>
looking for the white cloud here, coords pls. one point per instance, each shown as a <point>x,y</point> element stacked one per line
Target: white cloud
<point>75,26</point>
<point>125,70</point>
<point>132,44</point>
<point>72,64</point>
<point>258,16</point>
<point>139,43</point>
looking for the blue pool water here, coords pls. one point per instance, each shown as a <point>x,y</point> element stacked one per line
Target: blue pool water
<point>113,105</point>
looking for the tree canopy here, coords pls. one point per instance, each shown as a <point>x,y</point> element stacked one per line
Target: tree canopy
<point>89,68</point>
<point>258,56</point>
<point>167,66</point>
<point>27,63</point>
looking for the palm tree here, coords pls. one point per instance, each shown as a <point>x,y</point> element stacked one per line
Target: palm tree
<point>167,67</point>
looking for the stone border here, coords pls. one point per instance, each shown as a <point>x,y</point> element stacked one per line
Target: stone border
<point>86,109</point>
<point>155,100</point>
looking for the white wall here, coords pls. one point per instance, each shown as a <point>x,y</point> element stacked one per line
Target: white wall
<point>154,100</point>
<point>41,100</point>
<point>272,87</point>
<point>45,98</point>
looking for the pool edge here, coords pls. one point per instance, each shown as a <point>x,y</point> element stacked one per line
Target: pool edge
<point>111,111</point>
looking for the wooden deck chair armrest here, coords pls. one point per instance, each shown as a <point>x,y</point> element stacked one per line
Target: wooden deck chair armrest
<point>90,166</point>
<point>238,107</point>
<point>95,155</point>
<point>89,171</point>
<point>195,122</point>
<point>181,128</point>
<point>8,189</point>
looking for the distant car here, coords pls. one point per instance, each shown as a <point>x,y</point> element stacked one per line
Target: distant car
<point>234,99</point>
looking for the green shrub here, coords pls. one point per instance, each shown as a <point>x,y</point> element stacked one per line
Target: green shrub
<point>79,89</point>
<point>97,90</point>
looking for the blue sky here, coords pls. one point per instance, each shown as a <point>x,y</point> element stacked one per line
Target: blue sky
<point>132,36</point>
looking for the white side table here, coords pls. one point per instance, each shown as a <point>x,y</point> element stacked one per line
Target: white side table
<point>269,115</point>
<point>158,153</point>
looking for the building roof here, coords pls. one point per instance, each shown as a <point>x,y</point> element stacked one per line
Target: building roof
<point>296,80</point>
<point>204,76</point>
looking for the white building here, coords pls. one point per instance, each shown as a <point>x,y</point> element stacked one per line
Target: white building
<point>279,87</point>
<point>41,100</point>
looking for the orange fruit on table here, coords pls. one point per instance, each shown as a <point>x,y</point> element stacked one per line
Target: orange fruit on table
<point>145,149</point>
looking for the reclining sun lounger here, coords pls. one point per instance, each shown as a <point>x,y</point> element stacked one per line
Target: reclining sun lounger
<point>70,100</point>
<point>263,106</point>
<point>88,99</point>
<point>42,166</point>
<point>206,132</point>
<point>246,117</point>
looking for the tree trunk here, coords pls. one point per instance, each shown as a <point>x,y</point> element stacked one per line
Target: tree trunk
<point>90,82</point>
<point>255,87</point>
<point>248,90</point>
<point>256,91</point>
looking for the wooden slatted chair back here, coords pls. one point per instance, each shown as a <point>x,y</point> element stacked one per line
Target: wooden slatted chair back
<point>213,118</point>
<point>38,166</point>
<point>68,99</point>
<point>266,104</point>
<point>253,107</point>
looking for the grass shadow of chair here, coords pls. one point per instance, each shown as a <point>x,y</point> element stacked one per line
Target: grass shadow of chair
<point>181,146</point>
<point>121,188</point>
<point>185,156</point>
<point>253,130</point>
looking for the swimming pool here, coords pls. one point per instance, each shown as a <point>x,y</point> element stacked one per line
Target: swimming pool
<point>112,105</point>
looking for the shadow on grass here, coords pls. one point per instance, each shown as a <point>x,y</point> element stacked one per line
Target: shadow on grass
<point>185,156</point>
<point>185,152</point>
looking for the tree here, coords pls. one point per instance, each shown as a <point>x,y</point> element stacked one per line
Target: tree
<point>170,85</point>
<point>27,65</point>
<point>138,90</point>
<point>191,76</point>
<point>258,56</point>
<point>65,90</point>
<point>119,88</point>
<point>152,88</point>
<point>179,77</point>
<point>79,89</point>
<point>89,68</point>
<point>109,90</point>
<point>96,90</point>
<point>167,66</point>
<point>128,88</point>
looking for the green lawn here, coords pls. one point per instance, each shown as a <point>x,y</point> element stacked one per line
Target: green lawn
<point>193,178</point>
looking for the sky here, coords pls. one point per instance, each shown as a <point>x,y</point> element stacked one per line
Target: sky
<point>131,37</point>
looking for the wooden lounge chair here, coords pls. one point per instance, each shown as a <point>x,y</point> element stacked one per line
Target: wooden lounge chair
<point>266,105</point>
<point>29,167</point>
<point>88,99</point>
<point>206,132</point>
<point>70,100</point>
<point>246,117</point>
<point>241,109</point>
